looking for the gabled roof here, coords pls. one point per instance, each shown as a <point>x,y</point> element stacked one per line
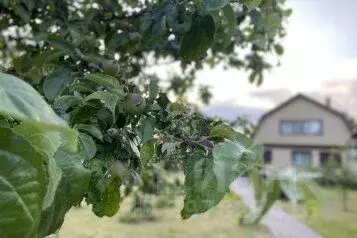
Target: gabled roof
<point>349,122</point>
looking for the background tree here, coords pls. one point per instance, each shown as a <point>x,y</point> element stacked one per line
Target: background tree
<point>122,38</point>
<point>242,123</point>
<point>339,173</point>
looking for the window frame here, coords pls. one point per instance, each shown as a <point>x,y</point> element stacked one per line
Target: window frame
<point>293,152</point>
<point>267,151</point>
<point>335,155</point>
<point>301,126</point>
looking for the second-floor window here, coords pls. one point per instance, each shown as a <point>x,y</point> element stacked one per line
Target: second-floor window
<point>301,127</point>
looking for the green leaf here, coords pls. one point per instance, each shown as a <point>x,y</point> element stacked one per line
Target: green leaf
<point>198,39</point>
<point>279,50</point>
<point>273,20</point>
<point>21,101</point>
<point>103,192</point>
<point>153,90</point>
<point>86,146</point>
<point>287,12</point>
<point>66,102</point>
<point>22,185</point>
<point>56,83</point>
<point>252,4</point>
<point>230,162</point>
<point>52,218</point>
<point>223,131</point>
<point>231,23</point>
<point>211,5</point>
<point>258,185</point>
<point>108,99</point>
<point>22,12</point>
<point>270,196</point>
<point>55,175</point>
<point>109,202</point>
<point>4,122</point>
<point>163,100</point>
<point>176,109</point>
<point>201,185</point>
<point>147,129</point>
<point>62,45</point>
<point>4,2</point>
<point>291,190</point>
<point>48,143</point>
<point>71,190</point>
<point>147,152</point>
<point>84,87</point>
<point>90,129</point>
<point>103,79</point>
<point>74,172</point>
<point>46,57</point>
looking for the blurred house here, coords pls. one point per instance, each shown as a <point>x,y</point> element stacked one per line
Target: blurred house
<point>304,132</point>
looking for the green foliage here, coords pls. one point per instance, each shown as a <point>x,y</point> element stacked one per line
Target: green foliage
<point>266,200</point>
<point>296,186</point>
<point>208,177</point>
<point>72,187</point>
<point>147,152</point>
<point>198,39</point>
<point>55,83</point>
<point>20,101</point>
<point>89,36</point>
<point>335,174</point>
<point>211,5</point>
<point>87,60</point>
<point>202,188</point>
<point>23,183</point>
<point>41,183</point>
<point>251,4</point>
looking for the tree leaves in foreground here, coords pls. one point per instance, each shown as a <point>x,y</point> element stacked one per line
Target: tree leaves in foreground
<point>63,177</point>
<point>40,181</point>
<point>22,185</point>
<point>90,66</point>
<point>208,176</point>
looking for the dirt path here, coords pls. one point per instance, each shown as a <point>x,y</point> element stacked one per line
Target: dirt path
<point>281,224</point>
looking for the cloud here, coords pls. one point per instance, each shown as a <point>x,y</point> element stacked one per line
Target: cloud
<point>343,94</point>
<point>274,96</point>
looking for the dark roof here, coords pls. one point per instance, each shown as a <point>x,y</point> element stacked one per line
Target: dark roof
<point>348,121</point>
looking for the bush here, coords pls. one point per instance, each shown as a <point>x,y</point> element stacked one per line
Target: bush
<point>141,211</point>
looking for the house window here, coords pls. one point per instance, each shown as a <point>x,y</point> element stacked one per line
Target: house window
<point>302,127</point>
<point>301,158</point>
<point>325,157</point>
<point>267,157</point>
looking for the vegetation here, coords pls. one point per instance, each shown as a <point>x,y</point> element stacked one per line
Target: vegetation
<point>88,123</point>
<point>335,174</point>
<point>296,186</point>
<point>330,220</point>
<point>81,223</point>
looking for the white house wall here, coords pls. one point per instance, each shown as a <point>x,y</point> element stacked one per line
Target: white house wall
<point>335,132</point>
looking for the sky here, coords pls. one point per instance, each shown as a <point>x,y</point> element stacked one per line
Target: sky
<point>320,60</point>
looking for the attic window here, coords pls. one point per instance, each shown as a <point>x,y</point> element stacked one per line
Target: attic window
<point>301,127</point>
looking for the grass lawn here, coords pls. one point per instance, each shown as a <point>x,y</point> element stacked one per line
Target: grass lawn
<point>330,221</point>
<point>220,222</point>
